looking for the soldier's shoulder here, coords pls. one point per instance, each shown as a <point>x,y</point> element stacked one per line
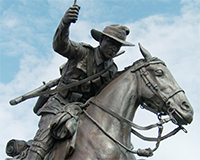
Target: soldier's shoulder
<point>86,45</point>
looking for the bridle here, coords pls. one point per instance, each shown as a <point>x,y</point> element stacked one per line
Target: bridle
<point>154,88</point>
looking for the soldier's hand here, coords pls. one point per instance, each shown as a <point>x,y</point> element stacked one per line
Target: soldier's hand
<point>71,15</point>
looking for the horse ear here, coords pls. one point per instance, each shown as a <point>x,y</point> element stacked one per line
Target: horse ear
<point>145,53</point>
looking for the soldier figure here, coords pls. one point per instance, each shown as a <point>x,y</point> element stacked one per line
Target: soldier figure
<point>83,61</point>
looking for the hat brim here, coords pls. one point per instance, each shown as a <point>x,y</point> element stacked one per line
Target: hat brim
<point>97,35</point>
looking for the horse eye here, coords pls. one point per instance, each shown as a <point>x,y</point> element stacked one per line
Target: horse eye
<point>159,72</point>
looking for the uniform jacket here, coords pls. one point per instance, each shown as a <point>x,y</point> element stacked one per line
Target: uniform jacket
<point>83,61</point>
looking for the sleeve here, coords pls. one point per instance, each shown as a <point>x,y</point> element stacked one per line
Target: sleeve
<point>64,46</point>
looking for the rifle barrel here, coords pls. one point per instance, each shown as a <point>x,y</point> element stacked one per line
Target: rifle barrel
<point>31,94</point>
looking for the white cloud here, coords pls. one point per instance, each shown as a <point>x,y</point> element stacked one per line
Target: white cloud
<point>11,23</point>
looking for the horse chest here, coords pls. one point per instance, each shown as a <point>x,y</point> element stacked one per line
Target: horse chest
<point>98,146</point>
<point>104,148</point>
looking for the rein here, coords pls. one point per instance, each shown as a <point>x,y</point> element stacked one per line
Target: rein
<point>141,152</point>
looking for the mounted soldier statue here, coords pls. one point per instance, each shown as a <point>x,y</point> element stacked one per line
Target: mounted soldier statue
<point>83,61</point>
<point>89,114</point>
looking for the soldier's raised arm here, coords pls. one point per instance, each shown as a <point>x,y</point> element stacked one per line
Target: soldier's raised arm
<point>61,37</point>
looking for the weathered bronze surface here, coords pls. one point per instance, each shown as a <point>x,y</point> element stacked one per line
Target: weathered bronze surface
<point>75,126</point>
<point>147,81</point>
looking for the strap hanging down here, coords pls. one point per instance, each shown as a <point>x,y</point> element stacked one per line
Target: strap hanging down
<point>141,152</point>
<point>121,118</point>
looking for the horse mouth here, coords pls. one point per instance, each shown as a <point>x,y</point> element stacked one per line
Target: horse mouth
<point>181,119</point>
<point>181,115</point>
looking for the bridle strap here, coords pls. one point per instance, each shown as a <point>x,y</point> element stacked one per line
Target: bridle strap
<point>160,123</point>
<point>122,145</point>
<point>144,74</point>
<point>154,87</point>
<point>149,82</point>
<point>151,139</point>
<point>121,118</point>
<point>141,152</point>
<point>176,92</point>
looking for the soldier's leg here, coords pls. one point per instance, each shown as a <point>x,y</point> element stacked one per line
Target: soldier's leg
<point>43,141</point>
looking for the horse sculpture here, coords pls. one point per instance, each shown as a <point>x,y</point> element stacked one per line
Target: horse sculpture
<point>104,130</point>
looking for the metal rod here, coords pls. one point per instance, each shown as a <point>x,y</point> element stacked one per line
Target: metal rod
<point>75,2</point>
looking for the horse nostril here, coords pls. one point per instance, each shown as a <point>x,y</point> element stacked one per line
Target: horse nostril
<point>185,106</point>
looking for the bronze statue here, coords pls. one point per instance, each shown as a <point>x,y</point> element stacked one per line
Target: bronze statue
<point>89,114</point>
<point>83,61</point>
<point>104,128</point>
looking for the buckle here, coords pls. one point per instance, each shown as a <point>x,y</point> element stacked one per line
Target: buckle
<point>171,110</point>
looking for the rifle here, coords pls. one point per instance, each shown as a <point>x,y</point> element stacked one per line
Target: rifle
<point>44,87</point>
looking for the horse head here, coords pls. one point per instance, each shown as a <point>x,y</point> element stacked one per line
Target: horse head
<point>163,94</point>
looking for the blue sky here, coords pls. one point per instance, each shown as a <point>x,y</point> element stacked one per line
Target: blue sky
<point>30,11</point>
<point>169,29</point>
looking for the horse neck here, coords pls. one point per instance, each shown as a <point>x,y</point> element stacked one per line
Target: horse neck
<point>120,96</point>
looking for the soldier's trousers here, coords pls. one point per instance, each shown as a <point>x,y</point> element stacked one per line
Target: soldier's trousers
<point>43,141</point>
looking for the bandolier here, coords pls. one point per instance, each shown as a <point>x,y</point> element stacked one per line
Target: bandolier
<point>90,63</point>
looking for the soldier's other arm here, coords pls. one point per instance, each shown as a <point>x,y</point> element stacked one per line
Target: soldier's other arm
<point>61,42</point>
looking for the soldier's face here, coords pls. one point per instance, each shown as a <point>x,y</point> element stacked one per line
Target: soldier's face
<point>109,47</point>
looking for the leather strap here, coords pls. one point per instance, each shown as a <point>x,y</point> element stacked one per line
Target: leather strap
<point>121,118</point>
<point>141,152</point>
<point>160,123</point>
<point>24,97</point>
<point>156,139</point>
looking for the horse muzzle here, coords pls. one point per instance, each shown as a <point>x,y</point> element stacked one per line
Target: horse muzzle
<point>180,109</point>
